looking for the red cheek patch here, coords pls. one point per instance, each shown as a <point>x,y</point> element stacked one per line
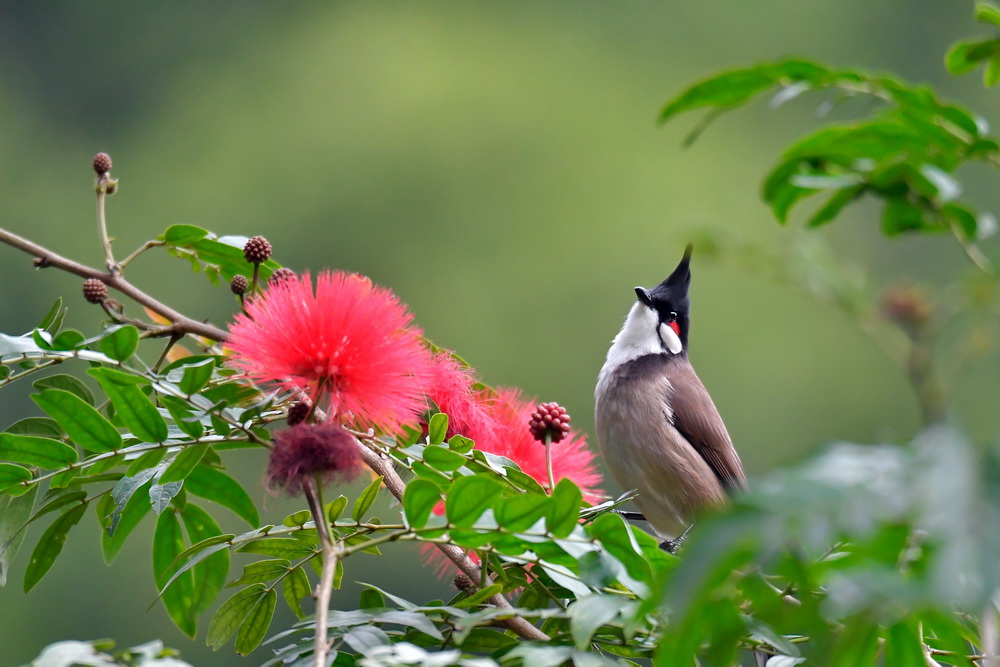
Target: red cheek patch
<point>676,327</point>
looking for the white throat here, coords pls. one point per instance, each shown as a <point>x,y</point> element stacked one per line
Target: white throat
<point>642,334</point>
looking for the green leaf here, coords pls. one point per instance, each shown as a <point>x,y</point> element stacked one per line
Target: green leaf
<point>122,494</point>
<point>121,520</point>
<point>81,421</point>
<point>50,545</point>
<point>12,475</point>
<point>521,511</point>
<point>297,519</point>
<point>461,444</point>
<point>183,416</point>
<point>231,614</point>
<point>121,343</point>
<point>68,339</point>
<point>335,508</point>
<point>278,547</point>
<point>215,485</point>
<point>617,538</point>
<point>168,543</point>
<point>197,375</point>
<point>964,56</point>
<point>564,508</point>
<point>14,513</point>
<point>419,500</point>
<point>181,466</point>
<point>484,640</point>
<point>134,408</point>
<point>991,73</point>
<point>294,588</point>
<point>370,598</point>
<point>590,613</point>
<point>366,499</point>
<point>903,647</point>
<point>252,630</point>
<point>837,201</point>
<point>986,12</point>
<point>468,498</point>
<point>67,382</point>
<point>35,451</point>
<point>209,574</point>
<point>479,596</point>
<point>437,428</point>
<point>194,555</point>
<point>263,570</point>
<point>183,234</point>
<point>160,495</point>
<point>443,458</point>
<point>728,89</point>
<point>43,426</point>
<point>53,319</point>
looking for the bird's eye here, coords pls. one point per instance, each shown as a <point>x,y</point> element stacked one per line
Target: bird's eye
<point>672,316</point>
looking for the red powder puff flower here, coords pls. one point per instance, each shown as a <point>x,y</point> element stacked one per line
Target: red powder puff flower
<point>570,456</point>
<point>451,385</point>
<point>349,344</point>
<point>505,432</point>
<point>300,452</point>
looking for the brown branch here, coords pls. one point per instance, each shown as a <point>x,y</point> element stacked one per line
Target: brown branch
<point>397,487</point>
<point>45,257</point>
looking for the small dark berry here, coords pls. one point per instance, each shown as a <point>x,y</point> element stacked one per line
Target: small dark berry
<point>298,413</point>
<point>94,290</point>
<point>463,582</point>
<point>549,419</point>
<point>257,250</point>
<point>239,285</point>
<point>280,276</point>
<point>102,163</point>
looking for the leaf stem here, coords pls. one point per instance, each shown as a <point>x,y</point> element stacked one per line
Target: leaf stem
<point>548,461</point>
<point>143,248</point>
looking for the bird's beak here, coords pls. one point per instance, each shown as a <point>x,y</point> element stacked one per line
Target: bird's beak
<point>643,295</point>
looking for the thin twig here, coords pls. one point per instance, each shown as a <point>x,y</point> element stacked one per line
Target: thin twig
<point>330,556</point>
<point>102,226</point>
<point>143,248</point>
<point>183,324</point>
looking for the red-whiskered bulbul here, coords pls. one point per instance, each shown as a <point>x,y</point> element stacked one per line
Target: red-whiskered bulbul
<point>657,427</point>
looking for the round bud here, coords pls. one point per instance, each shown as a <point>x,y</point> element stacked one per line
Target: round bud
<point>298,413</point>
<point>909,307</point>
<point>102,163</point>
<point>257,250</point>
<point>94,290</point>
<point>239,285</point>
<point>463,582</point>
<point>280,276</point>
<point>549,419</point>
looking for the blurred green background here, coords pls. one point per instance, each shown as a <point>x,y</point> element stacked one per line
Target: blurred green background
<point>498,165</point>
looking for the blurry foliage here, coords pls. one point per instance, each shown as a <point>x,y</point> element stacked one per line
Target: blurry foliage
<point>864,555</point>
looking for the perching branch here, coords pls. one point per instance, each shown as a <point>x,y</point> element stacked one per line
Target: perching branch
<point>46,258</point>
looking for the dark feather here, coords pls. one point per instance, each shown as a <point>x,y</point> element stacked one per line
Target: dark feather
<point>695,416</point>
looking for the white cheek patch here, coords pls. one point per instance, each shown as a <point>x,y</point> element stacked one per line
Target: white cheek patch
<point>670,339</point>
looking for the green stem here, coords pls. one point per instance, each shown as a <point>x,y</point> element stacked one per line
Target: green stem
<point>548,462</point>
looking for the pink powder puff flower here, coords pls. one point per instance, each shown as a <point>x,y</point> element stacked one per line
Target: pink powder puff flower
<point>451,385</point>
<point>570,456</point>
<point>324,450</point>
<point>349,344</point>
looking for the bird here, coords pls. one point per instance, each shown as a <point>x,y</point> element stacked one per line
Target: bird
<point>656,425</point>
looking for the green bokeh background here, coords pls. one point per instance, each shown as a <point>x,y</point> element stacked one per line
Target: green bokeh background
<point>498,165</point>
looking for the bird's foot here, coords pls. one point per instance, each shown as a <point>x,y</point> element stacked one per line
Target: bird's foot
<point>671,546</point>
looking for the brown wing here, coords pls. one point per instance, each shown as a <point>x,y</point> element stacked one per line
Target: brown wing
<point>696,417</point>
